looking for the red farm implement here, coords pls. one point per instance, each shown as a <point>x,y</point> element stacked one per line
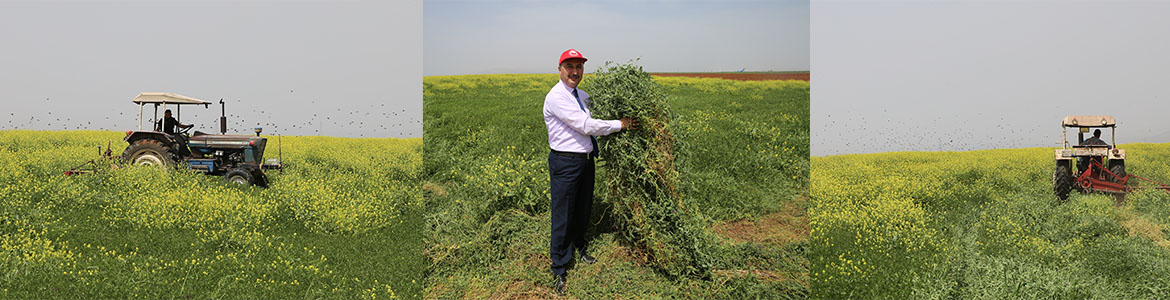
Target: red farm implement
<point>1098,179</point>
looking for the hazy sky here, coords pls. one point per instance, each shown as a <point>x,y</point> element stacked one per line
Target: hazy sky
<point>959,75</point>
<point>480,37</point>
<point>71,65</point>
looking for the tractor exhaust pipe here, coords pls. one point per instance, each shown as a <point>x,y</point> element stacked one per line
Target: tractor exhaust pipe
<point>280,154</point>
<point>222,118</point>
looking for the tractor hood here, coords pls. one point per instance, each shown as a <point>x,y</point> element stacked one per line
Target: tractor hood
<point>253,146</point>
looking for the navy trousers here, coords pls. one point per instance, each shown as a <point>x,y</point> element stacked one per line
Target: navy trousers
<point>571,190</point>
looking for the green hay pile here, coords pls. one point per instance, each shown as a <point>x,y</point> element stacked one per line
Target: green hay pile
<point>641,180</point>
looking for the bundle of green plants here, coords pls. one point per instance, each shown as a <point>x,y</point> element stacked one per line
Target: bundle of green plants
<point>641,182</point>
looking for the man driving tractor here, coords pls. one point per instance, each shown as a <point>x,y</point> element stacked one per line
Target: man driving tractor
<point>168,123</point>
<point>1095,140</point>
<point>1083,162</point>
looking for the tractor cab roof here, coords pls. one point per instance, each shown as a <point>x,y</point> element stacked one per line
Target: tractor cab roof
<point>166,98</point>
<point>1089,121</point>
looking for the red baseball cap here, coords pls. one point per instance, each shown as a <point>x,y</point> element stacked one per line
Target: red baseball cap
<point>571,53</point>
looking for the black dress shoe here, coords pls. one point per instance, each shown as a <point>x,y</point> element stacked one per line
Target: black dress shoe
<point>559,284</point>
<point>588,259</point>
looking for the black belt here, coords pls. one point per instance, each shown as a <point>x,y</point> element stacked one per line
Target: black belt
<point>571,154</point>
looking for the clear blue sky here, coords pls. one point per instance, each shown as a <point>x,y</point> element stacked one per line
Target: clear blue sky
<point>317,66</point>
<point>482,37</point>
<point>962,75</point>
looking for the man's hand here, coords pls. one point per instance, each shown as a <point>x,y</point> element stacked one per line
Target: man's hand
<point>629,124</point>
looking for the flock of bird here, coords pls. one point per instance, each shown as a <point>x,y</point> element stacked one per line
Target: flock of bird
<point>374,120</point>
<point>859,134</point>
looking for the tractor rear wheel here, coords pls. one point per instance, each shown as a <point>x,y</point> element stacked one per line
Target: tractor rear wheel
<point>1117,167</point>
<point>239,176</point>
<point>147,152</point>
<point>1062,180</point>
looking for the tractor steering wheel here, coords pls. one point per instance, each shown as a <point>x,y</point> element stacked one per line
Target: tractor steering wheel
<point>184,131</point>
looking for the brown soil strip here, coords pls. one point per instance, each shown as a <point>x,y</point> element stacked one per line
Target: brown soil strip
<point>434,189</point>
<point>742,76</point>
<point>1139,225</point>
<point>764,275</point>
<point>787,226</point>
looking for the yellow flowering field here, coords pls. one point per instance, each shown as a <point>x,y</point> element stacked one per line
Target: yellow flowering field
<point>985,225</point>
<point>331,224</point>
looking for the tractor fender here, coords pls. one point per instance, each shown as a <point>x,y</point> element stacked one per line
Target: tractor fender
<point>135,135</point>
<point>1063,154</point>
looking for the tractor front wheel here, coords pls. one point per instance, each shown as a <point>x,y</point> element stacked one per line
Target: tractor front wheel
<point>259,179</point>
<point>147,152</point>
<point>1117,167</point>
<point>1062,180</point>
<point>239,176</point>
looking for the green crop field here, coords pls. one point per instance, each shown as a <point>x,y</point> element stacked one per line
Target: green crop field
<point>984,225</point>
<point>742,162</point>
<point>341,221</point>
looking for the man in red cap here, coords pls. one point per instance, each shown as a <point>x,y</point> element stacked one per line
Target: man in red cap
<point>571,138</point>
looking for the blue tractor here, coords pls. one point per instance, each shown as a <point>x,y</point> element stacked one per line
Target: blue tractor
<point>238,158</point>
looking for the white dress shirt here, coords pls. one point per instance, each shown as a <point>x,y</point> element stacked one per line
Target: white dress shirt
<point>568,126</point>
